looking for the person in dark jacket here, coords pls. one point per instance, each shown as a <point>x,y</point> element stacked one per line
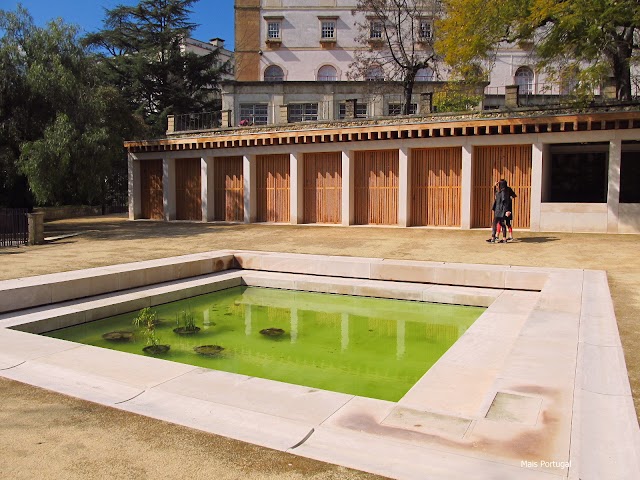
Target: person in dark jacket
<point>501,209</point>
<point>508,218</point>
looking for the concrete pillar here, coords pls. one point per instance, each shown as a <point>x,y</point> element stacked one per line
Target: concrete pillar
<point>134,187</point>
<point>169,188</point>
<point>466,188</point>
<point>511,96</point>
<point>284,114</point>
<point>426,103</point>
<point>348,207</point>
<point>404,188</point>
<point>613,190</point>
<point>206,175</point>
<point>249,176</point>
<point>171,124</point>
<point>537,158</point>
<point>350,108</point>
<point>225,119</point>
<point>35,224</point>
<point>296,188</point>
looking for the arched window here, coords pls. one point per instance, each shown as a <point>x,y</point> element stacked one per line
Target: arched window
<point>374,73</point>
<point>524,79</point>
<point>424,75</point>
<point>273,73</point>
<point>327,73</point>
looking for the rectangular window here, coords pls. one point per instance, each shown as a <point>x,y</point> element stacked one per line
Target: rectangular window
<point>328,30</point>
<point>630,177</point>
<point>273,30</point>
<point>253,113</point>
<point>579,176</point>
<point>375,30</point>
<point>426,29</point>
<point>361,111</point>
<point>396,109</point>
<point>303,112</point>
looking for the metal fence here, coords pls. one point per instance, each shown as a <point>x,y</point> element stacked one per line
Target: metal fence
<point>197,121</point>
<point>14,227</point>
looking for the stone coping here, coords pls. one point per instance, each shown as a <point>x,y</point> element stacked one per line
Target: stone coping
<point>536,388</point>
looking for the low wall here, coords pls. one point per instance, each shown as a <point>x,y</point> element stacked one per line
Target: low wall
<point>68,211</point>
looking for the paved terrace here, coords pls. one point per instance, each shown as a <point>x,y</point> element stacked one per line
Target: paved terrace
<point>572,313</point>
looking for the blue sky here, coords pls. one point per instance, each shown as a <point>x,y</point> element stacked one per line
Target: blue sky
<point>215,17</point>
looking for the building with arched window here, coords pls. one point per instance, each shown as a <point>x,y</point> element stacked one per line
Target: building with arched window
<point>327,73</point>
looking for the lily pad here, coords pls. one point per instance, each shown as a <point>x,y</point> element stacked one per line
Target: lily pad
<point>118,336</point>
<point>272,332</point>
<point>186,331</point>
<point>156,349</point>
<point>209,350</point>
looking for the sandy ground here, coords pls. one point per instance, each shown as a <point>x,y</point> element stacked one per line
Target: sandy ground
<point>62,437</point>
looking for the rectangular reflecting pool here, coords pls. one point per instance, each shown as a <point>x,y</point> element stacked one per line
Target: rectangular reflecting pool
<point>369,347</point>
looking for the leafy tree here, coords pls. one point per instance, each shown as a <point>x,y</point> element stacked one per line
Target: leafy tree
<point>597,38</point>
<point>143,55</point>
<point>60,126</point>
<point>398,39</point>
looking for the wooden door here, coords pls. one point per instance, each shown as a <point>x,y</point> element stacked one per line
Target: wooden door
<point>151,195</point>
<point>273,188</point>
<point>323,187</point>
<point>228,189</point>
<point>490,164</point>
<point>436,179</point>
<point>376,187</point>
<point>188,189</point>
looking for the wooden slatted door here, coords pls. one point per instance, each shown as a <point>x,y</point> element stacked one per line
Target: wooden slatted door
<point>273,188</point>
<point>151,189</point>
<point>228,190</point>
<point>323,187</point>
<point>188,189</point>
<point>436,179</point>
<point>490,164</point>
<point>376,187</point>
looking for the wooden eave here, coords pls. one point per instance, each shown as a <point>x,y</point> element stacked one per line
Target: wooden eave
<point>353,133</point>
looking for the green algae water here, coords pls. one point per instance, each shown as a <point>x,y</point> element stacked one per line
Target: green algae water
<point>369,347</point>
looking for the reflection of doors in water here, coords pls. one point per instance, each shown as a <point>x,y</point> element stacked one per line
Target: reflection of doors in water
<point>272,188</point>
<point>490,164</point>
<point>188,189</point>
<point>436,175</point>
<point>323,187</point>
<point>228,189</point>
<point>376,187</point>
<point>151,189</point>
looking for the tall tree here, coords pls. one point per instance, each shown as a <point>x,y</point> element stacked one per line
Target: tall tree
<point>398,36</point>
<point>144,56</point>
<point>60,127</point>
<point>598,39</point>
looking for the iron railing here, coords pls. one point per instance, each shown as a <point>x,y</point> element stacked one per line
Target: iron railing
<point>197,121</point>
<point>14,227</point>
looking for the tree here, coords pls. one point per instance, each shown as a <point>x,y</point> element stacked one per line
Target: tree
<point>596,38</point>
<point>143,55</point>
<point>399,39</point>
<point>60,127</point>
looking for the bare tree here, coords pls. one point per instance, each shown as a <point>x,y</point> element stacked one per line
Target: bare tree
<point>397,38</point>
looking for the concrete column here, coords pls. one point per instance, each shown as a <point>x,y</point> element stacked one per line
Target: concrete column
<point>284,114</point>
<point>171,124</point>
<point>348,207</point>
<point>466,188</point>
<point>511,96</point>
<point>225,119</point>
<point>350,109</point>
<point>297,187</point>
<point>613,190</point>
<point>249,175</point>
<point>35,225</point>
<point>426,103</point>
<point>134,187</point>
<point>404,188</point>
<point>537,157</point>
<point>169,188</point>
<point>206,175</point>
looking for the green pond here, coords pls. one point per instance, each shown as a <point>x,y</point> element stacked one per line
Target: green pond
<point>370,347</point>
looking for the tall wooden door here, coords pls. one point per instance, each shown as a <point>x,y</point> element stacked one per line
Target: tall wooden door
<point>436,179</point>
<point>188,189</point>
<point>151,189</point>
<point>323,187</point>
<point>228,189</point>
<point>490,164</point>
<point>273,185</point>
<point>376,187</point>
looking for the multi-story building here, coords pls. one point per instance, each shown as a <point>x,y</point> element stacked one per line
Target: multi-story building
<point>300,54</point>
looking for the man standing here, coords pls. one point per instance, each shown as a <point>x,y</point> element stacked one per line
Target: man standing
<point>501,209</point>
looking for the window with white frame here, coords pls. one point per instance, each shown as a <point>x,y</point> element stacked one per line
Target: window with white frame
<point>374,73</point>
<point>362,110</point>
<point>425,31</point>
<point>375,29</point>
<point>273,73</point>
<point>396,109</point>
<point>303,112</point>
<point>327,73</point>
<point>328,30</point>
<point>524,79</point>
<point>273,30</point>
<point>424,75</point>
<point>253,113</point>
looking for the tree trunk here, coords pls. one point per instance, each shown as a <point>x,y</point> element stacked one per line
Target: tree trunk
<point>407,84</point>
<point>622,67</point>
